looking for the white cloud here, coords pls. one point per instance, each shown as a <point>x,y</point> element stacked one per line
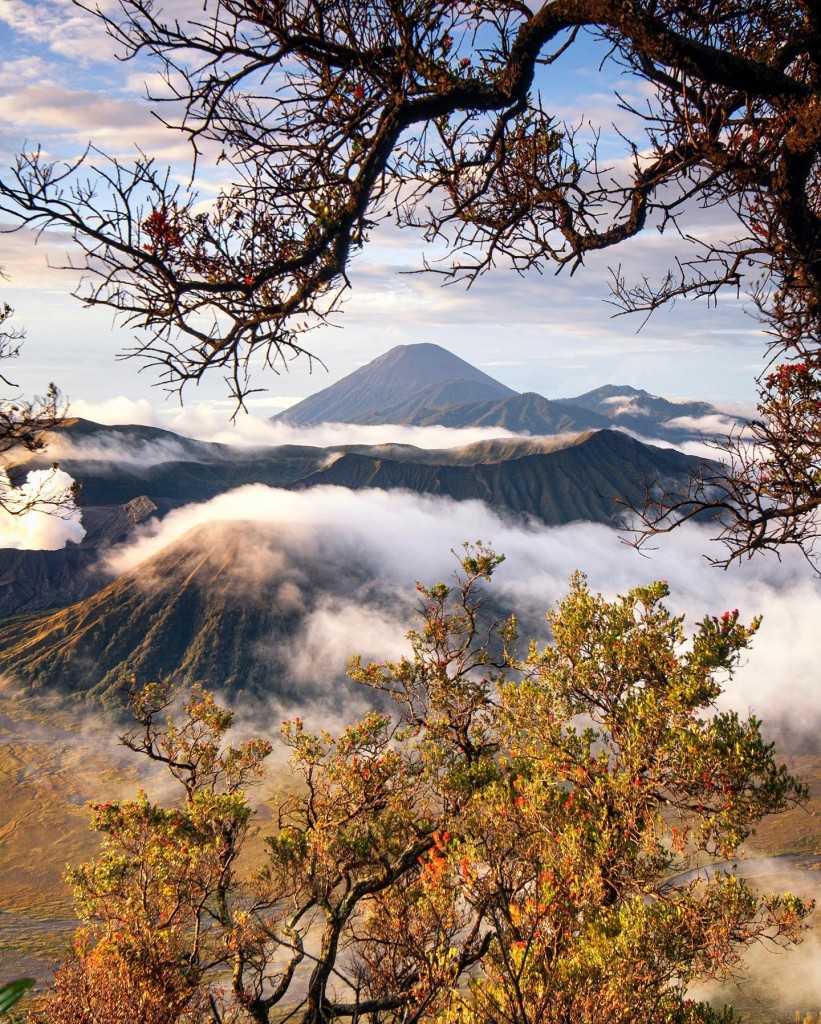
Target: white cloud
<point>117,410</point>
<point>626,405</point>
<point>39,515</point>
<point>331,628</point>
<point>125,450</point>
<point>206,424</point>
<point>23,71</point>
<point>707,425</point>
<point>58,25</point>
<point>26,258</point>
<point>71,118</point>
<point>400,537</point>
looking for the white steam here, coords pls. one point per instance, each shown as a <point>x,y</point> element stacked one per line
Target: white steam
<point>39,515</point>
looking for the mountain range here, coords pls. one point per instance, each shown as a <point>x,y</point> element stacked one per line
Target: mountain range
<point>424,385</point>
<point>69,627</point>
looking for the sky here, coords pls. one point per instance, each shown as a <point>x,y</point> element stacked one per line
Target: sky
<point>61,87</point>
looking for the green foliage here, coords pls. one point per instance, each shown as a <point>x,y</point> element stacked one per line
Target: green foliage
<point>13,991</point>
<point>512,845</point>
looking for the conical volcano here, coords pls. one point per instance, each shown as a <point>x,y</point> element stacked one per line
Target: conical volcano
<point>397,384</point>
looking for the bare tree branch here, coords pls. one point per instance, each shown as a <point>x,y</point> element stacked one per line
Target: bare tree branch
<point>329,117</point>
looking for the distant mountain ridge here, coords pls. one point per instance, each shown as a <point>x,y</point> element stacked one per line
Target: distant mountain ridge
<point>618,464</point>
<point>527,413</point>
<point>560,472</point>
<point>635,409</point>
<point>425,385</point>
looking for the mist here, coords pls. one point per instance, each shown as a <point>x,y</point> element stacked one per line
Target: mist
<point>205,423</point>
<point>773,976</point>
<point>209,425</point>
<point>119,451</point>
<point>251,431</point>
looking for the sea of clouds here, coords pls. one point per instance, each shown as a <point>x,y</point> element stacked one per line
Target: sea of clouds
<point>400,538</point>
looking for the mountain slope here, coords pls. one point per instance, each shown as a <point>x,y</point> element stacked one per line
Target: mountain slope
<point>230,603</point>
<point>221,606</point>
<point>646,414</point>
<point>390,387</point>
<point>599,466</point>
<point>558,479</point>
<point>522,414</point>
<point>587,479</point>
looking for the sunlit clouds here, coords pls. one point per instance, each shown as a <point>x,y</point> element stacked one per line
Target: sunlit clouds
<point>401,538</point>
<point>61,87</point>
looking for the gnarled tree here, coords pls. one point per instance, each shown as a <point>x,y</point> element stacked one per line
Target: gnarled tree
<point>331,115</point>
<point>514,844</point>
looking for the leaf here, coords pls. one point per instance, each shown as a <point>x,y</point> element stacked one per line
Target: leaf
<point>9,994</point>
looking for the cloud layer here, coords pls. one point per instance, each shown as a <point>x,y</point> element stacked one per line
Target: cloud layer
<point>399,538</point>
<point>207,423</point>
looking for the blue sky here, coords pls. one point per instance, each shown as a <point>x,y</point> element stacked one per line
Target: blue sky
<point>60,86</point>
